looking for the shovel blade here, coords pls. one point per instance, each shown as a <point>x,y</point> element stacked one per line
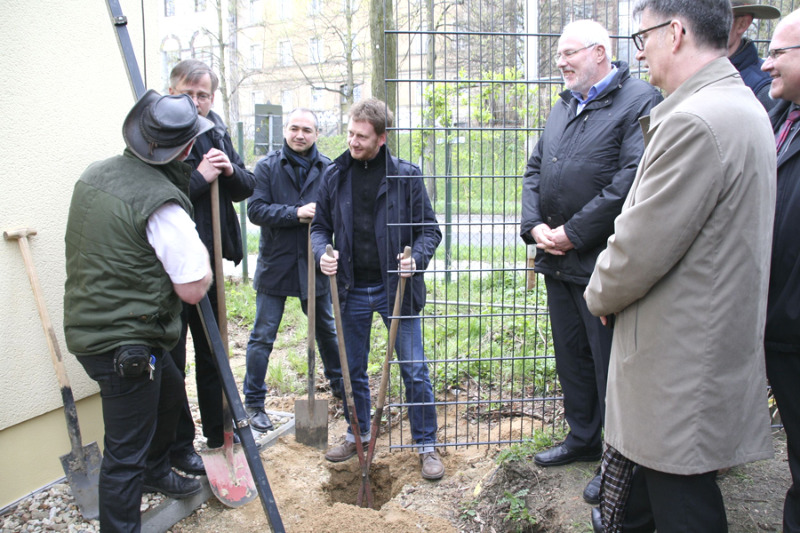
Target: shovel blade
<point>229,475</point>
<point>311,423</point>
<point>83,476</point>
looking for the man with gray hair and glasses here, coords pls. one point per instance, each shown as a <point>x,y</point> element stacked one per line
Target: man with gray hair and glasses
<point>574,185</point>
<point>686,274</point>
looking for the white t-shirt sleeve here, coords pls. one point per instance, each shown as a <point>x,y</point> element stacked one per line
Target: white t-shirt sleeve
<point>173,235</point>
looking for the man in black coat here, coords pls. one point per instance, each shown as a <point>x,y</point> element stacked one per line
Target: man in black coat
<point>284,201</point>
<point>212,158</point>
<point>574,186</point>
<point>782,332</point>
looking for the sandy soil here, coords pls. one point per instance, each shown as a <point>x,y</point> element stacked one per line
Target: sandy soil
<point>476,494</point>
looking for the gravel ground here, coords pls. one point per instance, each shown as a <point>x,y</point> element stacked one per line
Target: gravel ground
<point>54,509</point>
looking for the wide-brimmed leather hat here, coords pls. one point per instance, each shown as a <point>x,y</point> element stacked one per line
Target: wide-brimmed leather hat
<point>158,128</point>
<point>759,11</point>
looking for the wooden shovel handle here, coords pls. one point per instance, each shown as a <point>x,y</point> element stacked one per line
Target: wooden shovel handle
<point>219,275</point>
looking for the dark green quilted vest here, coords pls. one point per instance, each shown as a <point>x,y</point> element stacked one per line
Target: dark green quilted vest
<point>117,292</point>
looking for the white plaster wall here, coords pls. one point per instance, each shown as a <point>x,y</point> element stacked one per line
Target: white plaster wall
<point>64,93</point>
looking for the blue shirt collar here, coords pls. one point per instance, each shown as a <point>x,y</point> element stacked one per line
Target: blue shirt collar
<point>596,89</point>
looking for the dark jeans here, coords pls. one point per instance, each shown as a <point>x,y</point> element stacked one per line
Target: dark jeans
<point>671,503</point>
<point>583,350</point>
<point>139,417</point>
<point>783,372</point>
<point>362,303</point>
<point>209,387</point>
<point>269,312</point>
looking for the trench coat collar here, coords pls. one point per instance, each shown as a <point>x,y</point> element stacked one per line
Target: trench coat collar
<point>713,72</point>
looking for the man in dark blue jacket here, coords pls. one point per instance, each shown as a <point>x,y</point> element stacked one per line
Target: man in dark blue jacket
<point>370,207</point>
<point>742,50</point>
<point>287,181</point>
<point>782,332</point>
<point>212,158</point>
<point>574,186</point>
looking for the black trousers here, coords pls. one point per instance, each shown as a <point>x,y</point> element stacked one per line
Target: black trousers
<point>671,503</point>
<point>583,350</point>
<point>209,387</point>
<point>139,415</point>
<point>783,372</point>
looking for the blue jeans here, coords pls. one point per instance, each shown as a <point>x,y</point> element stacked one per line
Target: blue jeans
<point>269,312</point>
<point>361,303</point>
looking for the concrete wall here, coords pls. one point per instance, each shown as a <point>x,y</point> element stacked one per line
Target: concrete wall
<point>64,93</point>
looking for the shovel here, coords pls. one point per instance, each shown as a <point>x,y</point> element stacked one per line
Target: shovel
<point>236,475</point>
<point>311,416</point>
<point>348,387</point>
<point>376,418</point>
<point>226,467</point>
<point>82,464</point>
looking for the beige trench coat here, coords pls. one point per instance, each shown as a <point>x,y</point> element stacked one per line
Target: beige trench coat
<point>687,272</point>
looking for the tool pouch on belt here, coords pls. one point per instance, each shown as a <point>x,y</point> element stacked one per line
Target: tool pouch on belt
<point>132,360</point>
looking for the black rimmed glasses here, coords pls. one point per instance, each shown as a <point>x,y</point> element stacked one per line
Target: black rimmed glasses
<point>775,53</point>
<point>638,37</point>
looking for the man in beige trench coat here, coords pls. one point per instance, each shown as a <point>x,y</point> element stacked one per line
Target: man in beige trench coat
<point>686,273</point>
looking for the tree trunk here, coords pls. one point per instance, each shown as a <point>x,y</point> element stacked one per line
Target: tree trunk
<point>384,56</point>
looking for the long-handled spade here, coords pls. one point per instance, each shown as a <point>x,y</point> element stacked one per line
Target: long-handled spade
<point>311,416</point>
<point>348,387</point>
<point>376,418</point>
<point>82,464</point>
<point>228,475</point>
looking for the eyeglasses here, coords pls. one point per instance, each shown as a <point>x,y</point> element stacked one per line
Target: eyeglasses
<point>775,53</point>
<point>566,54</point>
<point>638,37</point>
<point>200,97</point>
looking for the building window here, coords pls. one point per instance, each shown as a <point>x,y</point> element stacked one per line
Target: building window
<point>317,98</point>
<point>199,6</point>
<point>287,99</point>
<point>169,8</point>
<point>315,50</point>
<point>256,56</point>
<point>315,7</point>
<point>256,11</point>
<point>285,9</point>
<point>170,56</point>
<point>285,53</point>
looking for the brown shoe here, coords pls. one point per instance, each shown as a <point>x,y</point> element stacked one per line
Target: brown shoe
<point>432,466</point>
<point>342,452</point>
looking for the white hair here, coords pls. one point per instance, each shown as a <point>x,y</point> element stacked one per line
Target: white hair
<point>589,32</point>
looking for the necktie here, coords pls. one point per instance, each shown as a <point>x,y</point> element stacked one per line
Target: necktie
<point>786,128</point>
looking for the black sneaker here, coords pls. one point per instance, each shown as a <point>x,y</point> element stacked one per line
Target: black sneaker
<point>259,419</point>
<point>173,485</point>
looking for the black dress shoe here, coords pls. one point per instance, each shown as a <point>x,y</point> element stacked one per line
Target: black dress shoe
<point>562,455</point>
<point>591,494</point>
<point>188,462</point>
<point>173,485</point>
<point>259,419</point>
<point>597,521</point>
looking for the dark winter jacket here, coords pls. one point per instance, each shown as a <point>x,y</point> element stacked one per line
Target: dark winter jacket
<point>581,170</point>
<point>235,188</point>
<point>783,310</point>
<point>282,268</point>
<point>748,64</point>
<point>403,217</point>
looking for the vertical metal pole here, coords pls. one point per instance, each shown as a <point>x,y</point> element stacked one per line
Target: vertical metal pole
<point>242,205</point>
<point>448,206</point>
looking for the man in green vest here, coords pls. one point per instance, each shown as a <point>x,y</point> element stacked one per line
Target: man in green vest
<point>132,255</point>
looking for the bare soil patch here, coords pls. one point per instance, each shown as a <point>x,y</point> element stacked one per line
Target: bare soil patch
<point>476,495</point>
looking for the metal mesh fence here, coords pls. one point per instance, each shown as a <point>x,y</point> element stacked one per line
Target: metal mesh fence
<point>475,83</point>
